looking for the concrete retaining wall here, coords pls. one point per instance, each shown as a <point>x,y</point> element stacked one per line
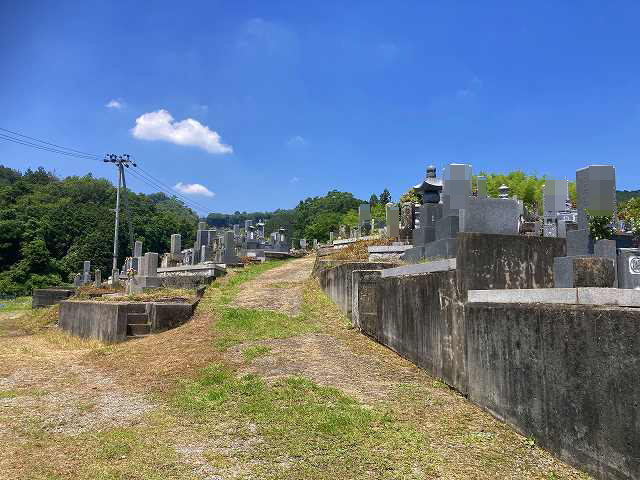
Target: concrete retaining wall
<point>566,375</point>
<point>336,280</point>
<point>44,297</point>
<point>103,321</point>
<point>107,321</point>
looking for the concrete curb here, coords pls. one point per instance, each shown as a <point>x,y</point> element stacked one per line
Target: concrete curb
<point>568,296</point>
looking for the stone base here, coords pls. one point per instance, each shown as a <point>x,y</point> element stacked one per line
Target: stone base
<point>445,248</point>
<point>584,271</point>
<point>579,243</point>
<point>629,268</point>
<point>138,283</point>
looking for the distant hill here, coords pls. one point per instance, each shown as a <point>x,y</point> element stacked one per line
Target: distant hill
<point>624,195</point>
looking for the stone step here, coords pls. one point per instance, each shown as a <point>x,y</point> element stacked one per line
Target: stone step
<point>137,318</point>
<point>136,308</point>
<point>138,329</point>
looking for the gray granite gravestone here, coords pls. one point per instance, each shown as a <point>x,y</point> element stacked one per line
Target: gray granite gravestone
<point>137,248</point>
<point>98,278</point>
<point>392,215</point>
<point>176,244</point>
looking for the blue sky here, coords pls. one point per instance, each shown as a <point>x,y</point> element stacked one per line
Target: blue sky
<point>292,99</point>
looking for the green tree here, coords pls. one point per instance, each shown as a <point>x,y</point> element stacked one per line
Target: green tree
<point>385,197</point>
<point>373,199</point>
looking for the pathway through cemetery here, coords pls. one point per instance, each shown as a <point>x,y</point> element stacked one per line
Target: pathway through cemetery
<point>321,400</point>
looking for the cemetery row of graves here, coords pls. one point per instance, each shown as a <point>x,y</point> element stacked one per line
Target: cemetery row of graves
<point>535,321</point>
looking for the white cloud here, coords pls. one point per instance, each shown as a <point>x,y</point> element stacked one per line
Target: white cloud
<point>160,125</point>
<point>193,189</point>
<point>117,104</point>
<point>294,180</point>
<point>296,142</point>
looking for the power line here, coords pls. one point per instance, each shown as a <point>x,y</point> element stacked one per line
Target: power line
<point>170,193</point>
<point>164,187</point>
<point>49,143</point>
<point>48,149</point>
<point>141,174</point>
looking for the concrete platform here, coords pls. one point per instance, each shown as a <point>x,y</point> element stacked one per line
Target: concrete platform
<point>569,296</point>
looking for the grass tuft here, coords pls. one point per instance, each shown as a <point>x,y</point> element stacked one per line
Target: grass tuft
<point>256,351</point>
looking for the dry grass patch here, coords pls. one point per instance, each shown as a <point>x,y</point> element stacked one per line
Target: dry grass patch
<point>357,251</point>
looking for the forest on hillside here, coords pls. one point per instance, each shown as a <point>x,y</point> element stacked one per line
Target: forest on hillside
<point>49,225</point>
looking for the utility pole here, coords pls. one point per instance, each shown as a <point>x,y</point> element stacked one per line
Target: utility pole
<point>120,161</point>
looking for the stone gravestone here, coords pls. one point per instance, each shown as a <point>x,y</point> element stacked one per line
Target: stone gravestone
<point>303,243</point>
<point>342,231</point>
<point>176,244</point>
<point>331,237</point>
<point>393,220</point>
<point>555,194</point>
<point>147,277</point>
<point>364,218</point>
<point>205,253</point>
<point>137,248</point>
<point>77,280</point>
<point>482,187</point>
<point>115,277</point>
<point>595,195</point>
<point>595,192</point>
<point>98,278</point>
<point>86,274</point>
<point>229,249</point>
<point>407,218</point>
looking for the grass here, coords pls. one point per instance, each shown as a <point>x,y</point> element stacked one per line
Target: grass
<point>30,321</point>
<point>134,453</point>
<point>307,430</point>
<point>236,325</point>
<point>231,286</point>
<point>18,304</point>
<point>251,353</point>
<point>153,295</point>
<point>358,251</point>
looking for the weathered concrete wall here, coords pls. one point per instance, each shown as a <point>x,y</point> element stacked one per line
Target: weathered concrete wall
<point>336,280</point>
<point>421,317</point>
<point>107,322</point>
<point>566,375</point>
<point>44,297</point>
<point>104,321</point>
<point>487,261</point>
<point>164,316</point>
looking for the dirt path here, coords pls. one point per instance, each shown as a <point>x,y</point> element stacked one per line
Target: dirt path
<point>279,289</point>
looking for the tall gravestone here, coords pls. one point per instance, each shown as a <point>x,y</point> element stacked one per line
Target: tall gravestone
<point>482,191</point>
<point>364,218</point>
<point>392,215</point>
<point>176,243</point>
<point>590,263</point>
<point>86,274</point>
<point>98,278</point>
<point>137,248</point>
